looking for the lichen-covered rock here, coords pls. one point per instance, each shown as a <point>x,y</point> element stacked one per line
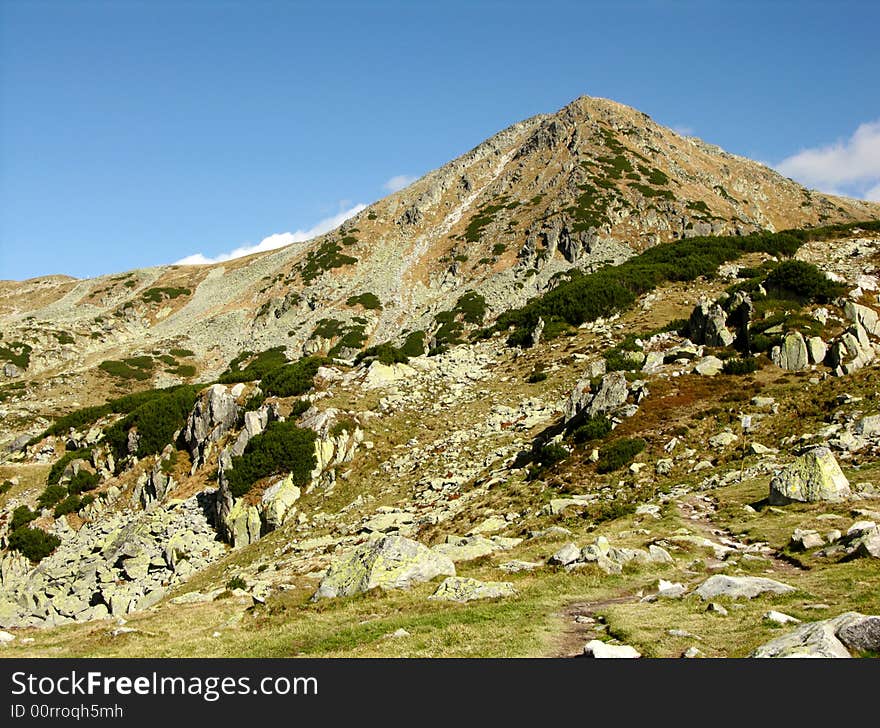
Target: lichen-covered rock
<point>829,638</point>
<point>463,589</point>
<point>389,562</point>
<point>792,355</point>
<point>738,587</point>
<point>814,476</point>
<point>709,366</point>
<point>612,393</point>
<point>276,504</point>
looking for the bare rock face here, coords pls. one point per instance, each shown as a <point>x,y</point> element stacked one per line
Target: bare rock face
<point>213,415</point>
<point>611,394</point>
<point>792,355</point>
<point>814,476</point>
<point>388,562</point>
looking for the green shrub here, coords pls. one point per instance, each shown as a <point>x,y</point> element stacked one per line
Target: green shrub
<point>344,424</point>
<point>21,516</point>
<point>740,366</point>
<point>498,249</point>
<point>258,366</point>
<point>594,428</point>
<point>72,504</point>
<point>281,448</point>
<point>83,481</point>
<point>181,352</point>
<point>369,301</point>
<point>33,543</point>
<point>121,370</point>
<point>156,421</point>
<point>324,258</point>
<point>236,582</point>
<point>292,380</point>
<point>17,353</point>
<point>536,376</point>
<point>51,495</point>
<point>58,468</point>
<point>802,281</point>
<point>619,454</point>
<point>155,295</point>
<point>299,407</point>
<point>184,370</point>
<point>588,297</point>
<point>5,486</point>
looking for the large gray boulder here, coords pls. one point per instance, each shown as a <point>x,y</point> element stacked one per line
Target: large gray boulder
<point>708,325</point>
<point>814,476</point>
<point>792,355</point>
<point>739,587</point>
<point>829,638</point>
<point>463,589</point>
<point>866,317</point>
<point>612,393</point>
<point>389,562</point>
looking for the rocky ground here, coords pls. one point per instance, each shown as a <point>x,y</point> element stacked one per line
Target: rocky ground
<point>427,529</point>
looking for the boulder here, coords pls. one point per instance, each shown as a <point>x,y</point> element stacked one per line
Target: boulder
<point>792,355</point>
<point>868,426</point>
<point>276,504</point>
<point>388,562</point>
<point>709,366</point>
<point>867,545</point>
<point>866,317</point>
<point>804,540</point>
<point>603,650</point>
<point>382,375</point>
<point>817,349</point>
<point>828,638</point>
<point>568,554</point>
<point>738,587</point>
<point>612,393</point>
<point>814,476</point>
<point>462,589</point>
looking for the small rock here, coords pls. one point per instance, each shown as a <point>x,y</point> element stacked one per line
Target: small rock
<point>602,650</point>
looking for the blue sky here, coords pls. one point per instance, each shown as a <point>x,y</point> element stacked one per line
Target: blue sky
<point>139,133</point>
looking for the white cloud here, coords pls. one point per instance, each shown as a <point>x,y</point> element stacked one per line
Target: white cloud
<point>852,165</point>
<point>398,182</point>
<point>873,194</point>
<point>277,240</point>
<point>683,130</point>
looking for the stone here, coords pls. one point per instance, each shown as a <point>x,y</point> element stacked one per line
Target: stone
<point>722,440</point>
<point>603,650</point>
<point>612,393</point>
<point>709,366</point>
<point>490,525</point>
<point>692,652</point>
<point>387,562</point>
<point>6,637</point>
<point>868,426</point>
<point>814,476</point>
<point>827,638</point>
<point>868,545</point>
<point>792,354</point>
<point>737,587</point>
<point>865,317</point>
<point>806,539</point>
<point>659,555</point>
<point>817,349</point>
<point>463,589</point>
<point>716,608</point>
<point>383,375</point>
<point>861,634</point>
<point>670,589</point>
<point>780,617</point>
<point>277,503</point>
<point>568,554</point>
<point>468,548</point>
<point>515,567</point>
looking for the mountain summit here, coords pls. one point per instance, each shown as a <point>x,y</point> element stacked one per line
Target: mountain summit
<point>591,184</point>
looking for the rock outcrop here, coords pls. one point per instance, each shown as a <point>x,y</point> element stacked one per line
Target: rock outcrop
<point>814,476</point>
<point>387,562</point>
